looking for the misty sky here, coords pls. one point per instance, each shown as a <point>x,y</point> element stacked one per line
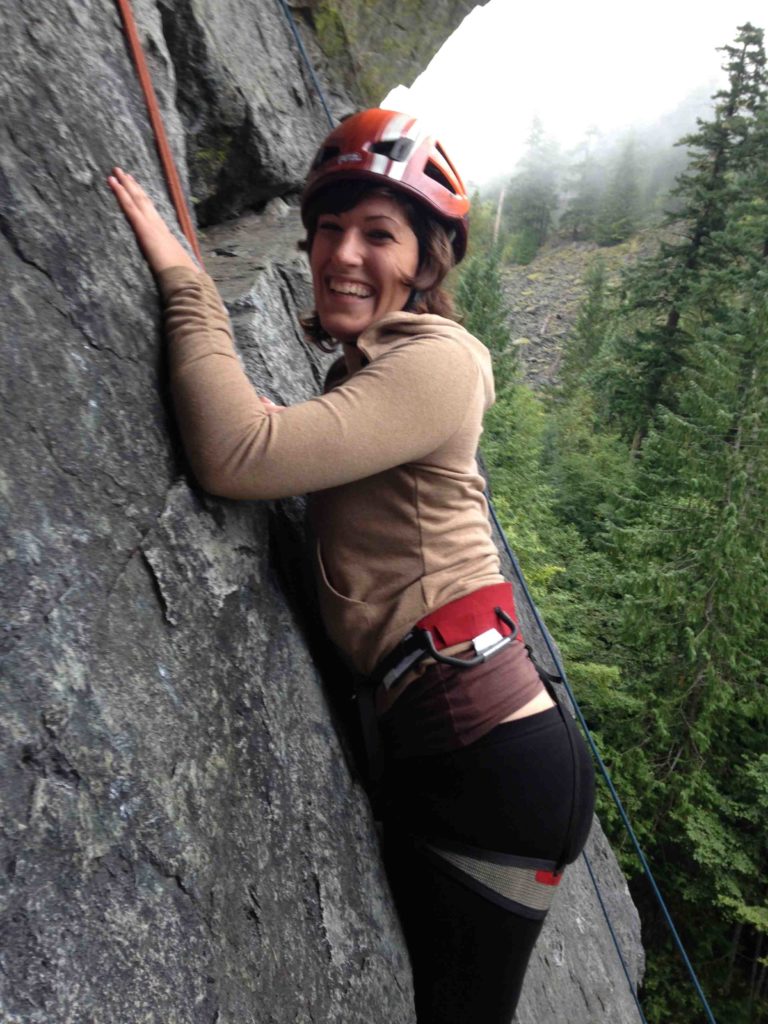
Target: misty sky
<point>573,64</point>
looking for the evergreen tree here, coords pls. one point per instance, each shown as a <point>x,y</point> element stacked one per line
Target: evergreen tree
<point>648,358</point>
<point>532,197</point>
<point>483,216</point>
<point>692,556</point>
<point>484,313</point>
<point>619,211</point>
<point>691,553</point>
<point>590,329</point>
<point>579,219</point>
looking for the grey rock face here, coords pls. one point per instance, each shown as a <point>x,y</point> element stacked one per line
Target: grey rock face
<point>373,46</point>
<point>252,118</point>
<point>182,837</point>
<point>237,101</point>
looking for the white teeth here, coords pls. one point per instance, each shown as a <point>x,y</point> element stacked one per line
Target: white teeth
<point>350,288</point>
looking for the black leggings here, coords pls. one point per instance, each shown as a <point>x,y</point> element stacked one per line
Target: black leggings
<point>526,788</point>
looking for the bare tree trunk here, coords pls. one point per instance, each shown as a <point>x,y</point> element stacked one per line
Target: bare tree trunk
<point>732,958</point>
<point>761,990</point>
<point>497,222</point>
<point>755,981</point>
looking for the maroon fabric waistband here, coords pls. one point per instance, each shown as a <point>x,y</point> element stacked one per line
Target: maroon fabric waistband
<point>471,615</point>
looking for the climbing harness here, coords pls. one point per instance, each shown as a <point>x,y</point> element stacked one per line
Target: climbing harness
<point>524,885</point>
<point>465,859</point>
<point>486,619</point>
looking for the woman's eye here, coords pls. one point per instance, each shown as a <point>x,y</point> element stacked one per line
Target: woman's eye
<point>380,234</point>
<point>328,225</point>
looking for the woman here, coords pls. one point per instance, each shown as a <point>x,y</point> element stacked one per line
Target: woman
<point>487,788</point>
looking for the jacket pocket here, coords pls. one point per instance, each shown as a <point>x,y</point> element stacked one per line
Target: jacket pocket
<point>346,620</point>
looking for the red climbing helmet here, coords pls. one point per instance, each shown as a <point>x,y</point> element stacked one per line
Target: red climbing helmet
<point>394,150</point>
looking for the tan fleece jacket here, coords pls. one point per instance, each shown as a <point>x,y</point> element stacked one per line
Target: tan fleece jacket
<point>398,510</point>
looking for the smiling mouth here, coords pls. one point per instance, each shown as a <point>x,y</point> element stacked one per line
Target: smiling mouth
<point>355,288</point>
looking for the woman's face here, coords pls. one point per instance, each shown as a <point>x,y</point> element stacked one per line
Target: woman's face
<point>359,260</point>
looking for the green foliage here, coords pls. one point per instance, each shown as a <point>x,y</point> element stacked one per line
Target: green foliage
<point>479,297</point>
<point>483,218</point>
<point>586,466</point>
<point>637,498</point>
<point>665,299</point>
<point>532,197</point>
<point>618,213</point>
<point>585,186</point>
<point>589,333</point>
<point>601,191</point>
<point>521,246</point>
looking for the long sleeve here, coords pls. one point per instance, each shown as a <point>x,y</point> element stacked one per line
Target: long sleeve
<point>398,409</point>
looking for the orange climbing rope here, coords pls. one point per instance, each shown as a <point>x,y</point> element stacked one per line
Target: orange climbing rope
<point>156,120</point>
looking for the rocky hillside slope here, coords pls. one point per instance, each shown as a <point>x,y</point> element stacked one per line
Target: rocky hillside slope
<point>544,296</point>
<point>183,835</point>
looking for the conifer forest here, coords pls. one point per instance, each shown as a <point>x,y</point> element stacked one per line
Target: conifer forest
<point>634,488</point>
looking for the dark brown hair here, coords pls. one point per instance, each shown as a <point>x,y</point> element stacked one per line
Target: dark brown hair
<point>436,255</point>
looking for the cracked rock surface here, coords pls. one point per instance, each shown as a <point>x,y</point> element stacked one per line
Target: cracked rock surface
<point>183,836</point>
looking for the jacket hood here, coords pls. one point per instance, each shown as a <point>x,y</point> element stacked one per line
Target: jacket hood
<point>400,328</point>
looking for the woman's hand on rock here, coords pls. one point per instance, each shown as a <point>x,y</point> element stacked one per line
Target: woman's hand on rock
<point>160,247</point>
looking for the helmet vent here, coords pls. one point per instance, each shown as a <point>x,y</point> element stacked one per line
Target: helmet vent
<point>325,154</point>
<point>395,149</point>
<point>434,172</point>
<point>445,157</point>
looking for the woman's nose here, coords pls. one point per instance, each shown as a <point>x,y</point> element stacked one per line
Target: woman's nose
<point>348,250</point>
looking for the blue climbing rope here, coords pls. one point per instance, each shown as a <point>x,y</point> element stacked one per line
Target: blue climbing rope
<point>614,936</point>
<point>308,63</point>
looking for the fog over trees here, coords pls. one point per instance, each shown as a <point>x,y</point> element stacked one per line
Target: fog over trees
<point>603,190</point>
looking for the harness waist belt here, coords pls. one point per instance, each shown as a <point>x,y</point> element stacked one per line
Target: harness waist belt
<point>486,617</point>
<point>471,615</point>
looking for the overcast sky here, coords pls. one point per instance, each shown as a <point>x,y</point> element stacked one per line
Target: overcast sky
<point>573,64</point>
